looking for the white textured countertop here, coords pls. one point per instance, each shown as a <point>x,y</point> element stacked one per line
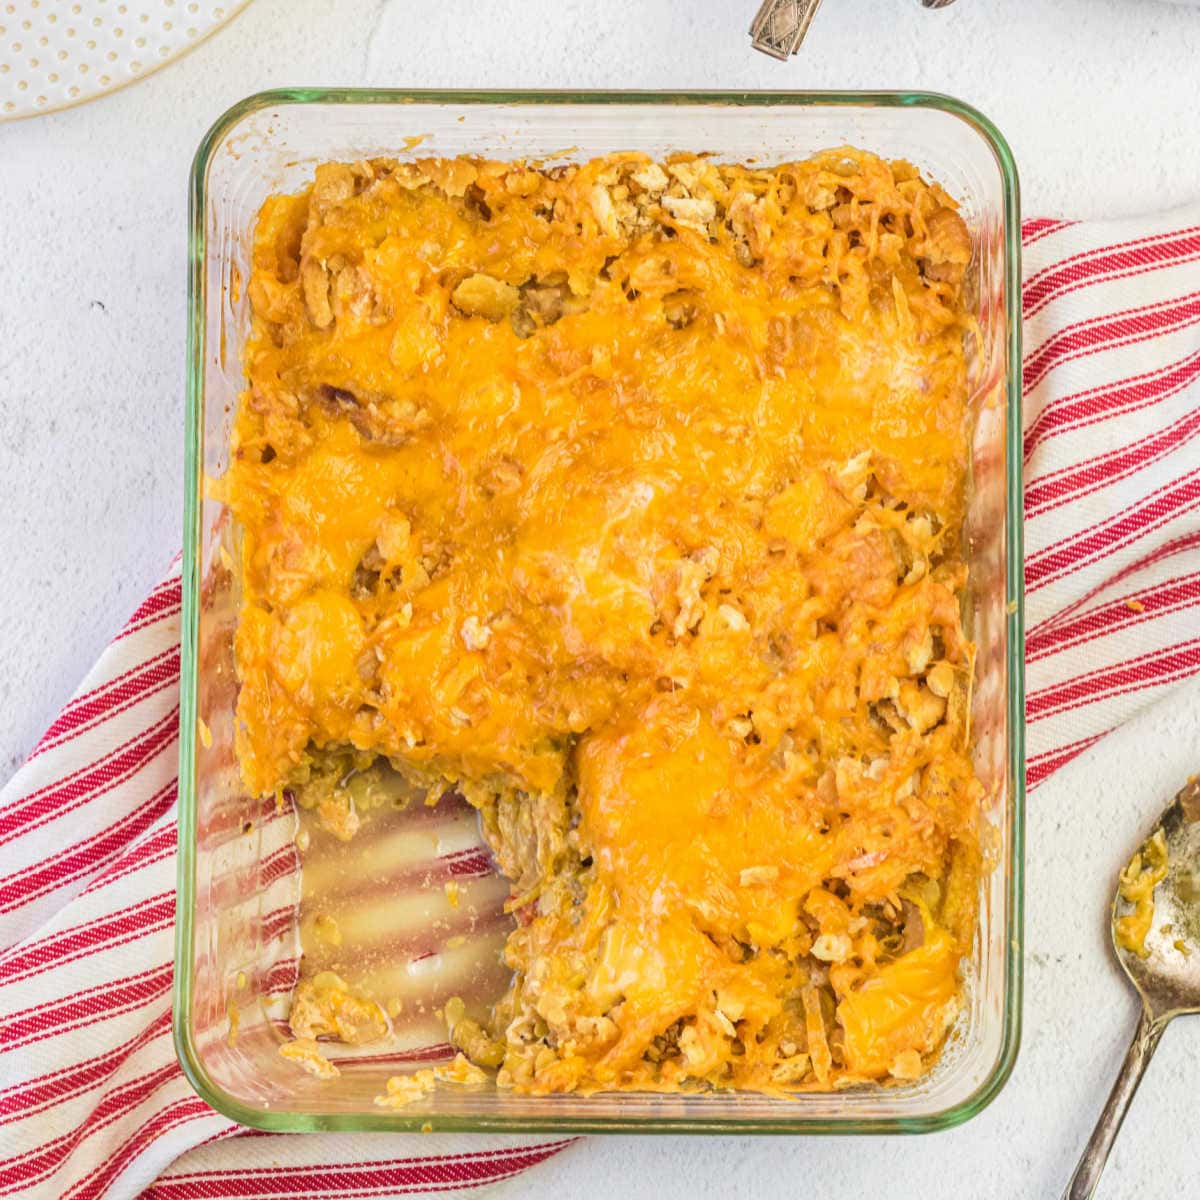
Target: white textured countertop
<point>1100,100</point>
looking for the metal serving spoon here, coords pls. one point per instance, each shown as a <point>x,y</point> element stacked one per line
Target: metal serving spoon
<point>1167,978</point>
<point>779,26</point>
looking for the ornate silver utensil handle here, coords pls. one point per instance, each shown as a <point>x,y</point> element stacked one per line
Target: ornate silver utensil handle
<point>779,26</point>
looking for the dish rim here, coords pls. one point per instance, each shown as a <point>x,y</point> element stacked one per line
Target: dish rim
<point>396,1121</point>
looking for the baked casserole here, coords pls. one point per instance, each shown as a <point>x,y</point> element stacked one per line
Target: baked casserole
<point>625,500</point>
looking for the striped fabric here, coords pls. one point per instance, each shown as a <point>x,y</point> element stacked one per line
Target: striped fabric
<point>1112,470</point>
<point>92,1102</point>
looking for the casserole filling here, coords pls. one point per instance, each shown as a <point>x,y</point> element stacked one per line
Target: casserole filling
<point>625,500</point>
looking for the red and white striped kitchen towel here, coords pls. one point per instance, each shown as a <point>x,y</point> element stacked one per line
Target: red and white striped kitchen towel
<point>92,1102</point>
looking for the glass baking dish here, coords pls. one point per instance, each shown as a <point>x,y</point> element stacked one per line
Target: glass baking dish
<point>239,896</point>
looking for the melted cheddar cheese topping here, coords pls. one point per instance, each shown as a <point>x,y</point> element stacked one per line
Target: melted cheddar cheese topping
<point>1142,874</point>
<point>626,499</point>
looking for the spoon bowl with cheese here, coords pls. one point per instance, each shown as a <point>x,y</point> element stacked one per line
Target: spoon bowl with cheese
<point>1156,936</point>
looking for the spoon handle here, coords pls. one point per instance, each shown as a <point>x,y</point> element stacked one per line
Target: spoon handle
<point>1095,1155</point>
<point>780,25</point>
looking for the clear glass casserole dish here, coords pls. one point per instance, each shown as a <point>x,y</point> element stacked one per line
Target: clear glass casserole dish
<point>239,892</point>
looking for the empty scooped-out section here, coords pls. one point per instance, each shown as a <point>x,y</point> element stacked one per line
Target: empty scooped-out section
<point>409,913</point>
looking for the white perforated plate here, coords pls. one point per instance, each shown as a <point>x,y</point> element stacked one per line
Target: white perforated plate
<point>59,52</point>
